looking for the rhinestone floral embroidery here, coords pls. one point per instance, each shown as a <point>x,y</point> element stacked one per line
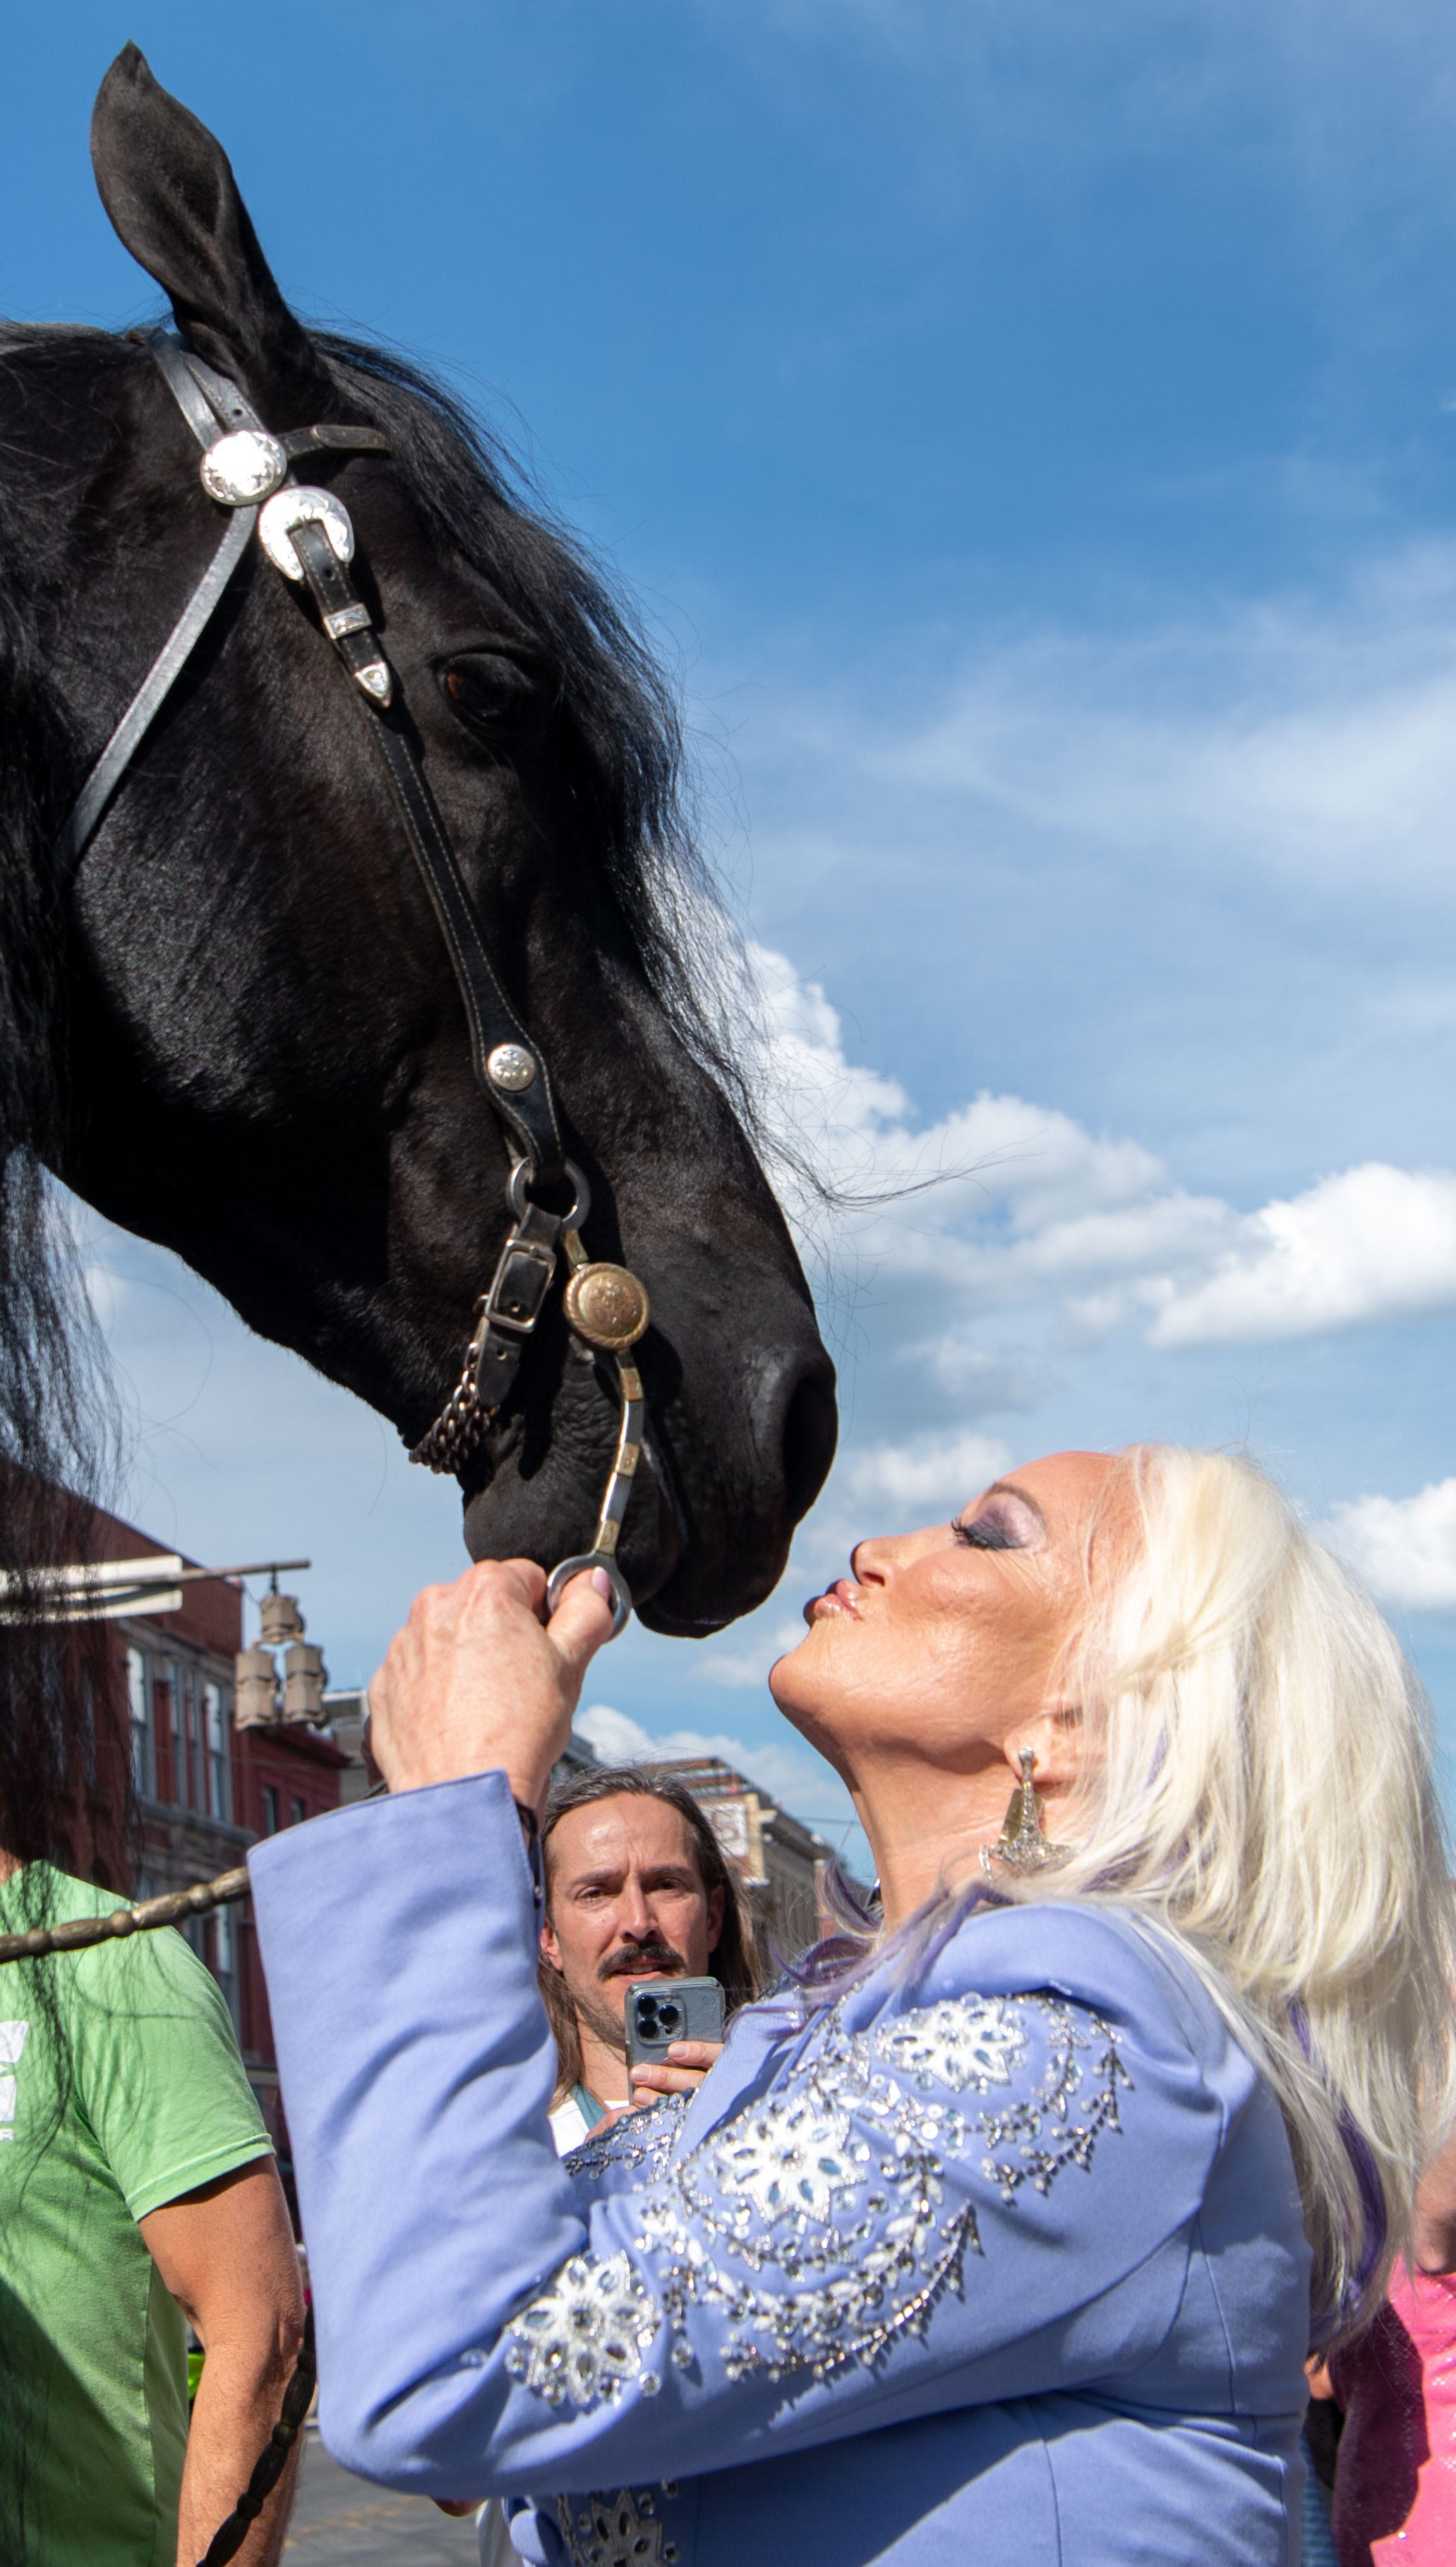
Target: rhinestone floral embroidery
<point>818,2222</point>
<point>965,2043</point>
<point>587,2335</point>
<point>795,2156</point>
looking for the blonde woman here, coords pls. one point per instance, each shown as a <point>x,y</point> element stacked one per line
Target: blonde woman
<point>1003,2234</point>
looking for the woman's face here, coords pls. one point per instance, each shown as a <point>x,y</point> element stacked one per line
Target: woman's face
<point>949,1639</point>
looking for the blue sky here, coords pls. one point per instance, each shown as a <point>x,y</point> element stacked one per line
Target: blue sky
<point>1030,432</point>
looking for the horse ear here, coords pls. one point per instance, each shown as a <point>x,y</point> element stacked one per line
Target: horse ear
<point>169,190</point>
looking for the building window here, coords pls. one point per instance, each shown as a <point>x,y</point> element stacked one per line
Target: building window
<point>186,1711</point>
<point>201,1789</point>
<point>88,1734</point>
<point>143,1771</point>
<point>270,1811</point>
<point>214,1723</point>
<point>299,1812</point>
<point>170,1781</point>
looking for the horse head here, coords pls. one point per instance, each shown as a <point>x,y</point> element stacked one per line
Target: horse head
<point>265,1050</point>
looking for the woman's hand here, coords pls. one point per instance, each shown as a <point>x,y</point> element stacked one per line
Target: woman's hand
<point>479,1678</point>
<point>685,2065</point>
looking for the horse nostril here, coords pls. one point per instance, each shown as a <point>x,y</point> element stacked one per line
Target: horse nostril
<point>811,1431</point>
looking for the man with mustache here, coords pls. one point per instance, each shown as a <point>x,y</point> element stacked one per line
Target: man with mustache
<point>636,1887</point>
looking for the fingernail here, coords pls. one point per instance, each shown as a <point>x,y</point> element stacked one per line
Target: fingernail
<point>603,1584</point>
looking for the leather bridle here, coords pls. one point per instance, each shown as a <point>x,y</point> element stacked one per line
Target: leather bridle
<point>308,536</point>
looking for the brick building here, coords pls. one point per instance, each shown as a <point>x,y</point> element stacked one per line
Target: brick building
<point>780,1862</point>
<point>203,1792</point>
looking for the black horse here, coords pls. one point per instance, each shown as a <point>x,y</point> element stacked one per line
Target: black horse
<point>237,1031</point>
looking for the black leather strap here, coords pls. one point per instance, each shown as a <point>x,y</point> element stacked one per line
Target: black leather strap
<point>210,405</point>
<point>523,1277</point>
<point>528,1112</point>
<point>213,406</point>
<point>204,401</point>
<point>156,685</point>
<point>344,616</point>
<point>325,438</point>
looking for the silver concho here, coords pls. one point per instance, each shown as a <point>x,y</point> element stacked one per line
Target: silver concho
<point>303,507</point>
<point>511,1067</point>
<point>243,468</point>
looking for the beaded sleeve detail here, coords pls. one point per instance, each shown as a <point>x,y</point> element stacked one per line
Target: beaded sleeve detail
<point>829,2218</point>
<point>620,2529</point>
<point>587,2335</point>
<point>640,2143</point>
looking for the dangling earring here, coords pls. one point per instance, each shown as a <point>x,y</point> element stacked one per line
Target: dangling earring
<point>1022,1846</point>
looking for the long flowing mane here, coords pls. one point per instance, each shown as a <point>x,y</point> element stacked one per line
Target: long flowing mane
<point>623,712</point>
<point>483,508</point>
<point>58,1418</point>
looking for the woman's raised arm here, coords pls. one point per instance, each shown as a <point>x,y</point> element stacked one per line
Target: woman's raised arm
<point>929,2197</point>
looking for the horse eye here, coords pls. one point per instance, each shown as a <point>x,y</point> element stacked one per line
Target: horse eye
<point>488,690</point>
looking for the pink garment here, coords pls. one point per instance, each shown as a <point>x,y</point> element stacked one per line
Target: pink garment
<point>1395,2482</point>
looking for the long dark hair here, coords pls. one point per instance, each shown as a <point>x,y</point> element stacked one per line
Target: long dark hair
<point>64,1773</point>
<point>735,1961</point>
<point>59,1438</point>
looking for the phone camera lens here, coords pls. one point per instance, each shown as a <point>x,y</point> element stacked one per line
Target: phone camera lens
<point>671,2019</point>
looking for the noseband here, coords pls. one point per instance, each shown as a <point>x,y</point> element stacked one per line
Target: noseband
<point>308,536</point>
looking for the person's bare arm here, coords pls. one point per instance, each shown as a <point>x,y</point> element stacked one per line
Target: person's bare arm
<point>226,2255</point>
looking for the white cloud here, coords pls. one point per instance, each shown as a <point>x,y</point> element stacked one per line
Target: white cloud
<point>1022,1205</point>
<point>1297,745</point>
<point>1374,1244</point>
<point>1403,1547</point>
<point>615,1736</point>
<point>933,1477</point>
<point>856,1130</point>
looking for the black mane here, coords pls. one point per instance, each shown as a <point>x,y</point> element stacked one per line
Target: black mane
<point>58,1419</point>
<point>59,1439</point>
<point>482,508</point>
<point>622,708</point>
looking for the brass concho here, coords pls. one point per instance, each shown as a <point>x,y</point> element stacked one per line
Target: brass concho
<point>607,1307</point>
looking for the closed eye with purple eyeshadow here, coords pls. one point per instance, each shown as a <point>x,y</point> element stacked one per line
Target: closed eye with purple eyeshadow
<point>1005,1519</point>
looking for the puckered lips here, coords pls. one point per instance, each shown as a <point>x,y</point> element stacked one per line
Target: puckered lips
<point>842,1597</point>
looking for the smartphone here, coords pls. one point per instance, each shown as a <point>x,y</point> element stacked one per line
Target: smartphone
<point>661,2011</point>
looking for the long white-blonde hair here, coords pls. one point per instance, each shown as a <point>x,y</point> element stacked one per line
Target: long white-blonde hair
<point>1255,1779</point>
<point>1255,1776</point>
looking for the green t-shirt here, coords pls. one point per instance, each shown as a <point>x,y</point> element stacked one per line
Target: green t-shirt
<point>150,2101</point>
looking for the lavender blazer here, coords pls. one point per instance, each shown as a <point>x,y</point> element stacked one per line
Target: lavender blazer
<point>1003,2263</point>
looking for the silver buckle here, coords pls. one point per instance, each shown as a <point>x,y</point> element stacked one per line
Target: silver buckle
<point>302,506</point>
